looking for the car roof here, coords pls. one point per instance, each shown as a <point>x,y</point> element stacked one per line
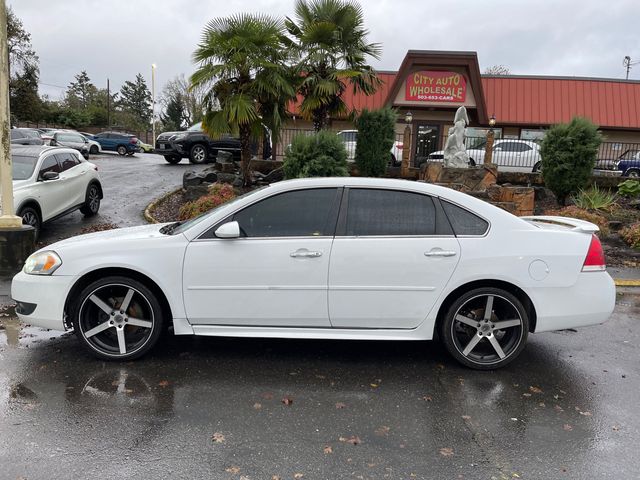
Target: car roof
<point>36,150</point>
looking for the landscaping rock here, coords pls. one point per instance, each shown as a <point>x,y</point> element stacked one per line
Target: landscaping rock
<point>224,157</point>
<point>193,192</point>
<point>191,178</point>
<point>274,176</point>
<point>224,177</point>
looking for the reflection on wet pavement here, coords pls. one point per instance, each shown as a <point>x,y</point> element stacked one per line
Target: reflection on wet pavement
<point>213,408</point>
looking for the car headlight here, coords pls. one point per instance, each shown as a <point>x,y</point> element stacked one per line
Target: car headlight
<point>180,136</point>
<point>42,263</point>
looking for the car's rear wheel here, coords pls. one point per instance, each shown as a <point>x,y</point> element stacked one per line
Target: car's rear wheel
<point>486,328</point>
<point>198,154</point>
<point>31,217</point>
<point>633,173</point>
<point>172,160</point>
<point>537,168</point>
<point>122,150</point>
<point>117,318</point>
<point>92,201</point>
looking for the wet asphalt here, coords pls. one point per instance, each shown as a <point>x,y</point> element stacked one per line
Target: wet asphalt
<point>243,409</point>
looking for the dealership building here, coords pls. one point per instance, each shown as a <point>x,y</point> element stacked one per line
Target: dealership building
<point>432,85</point>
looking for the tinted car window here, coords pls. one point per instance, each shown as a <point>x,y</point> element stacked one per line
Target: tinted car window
<point>32,133</point>
<point>16,134</point>
<point>69,137</point>
<point>301,213</point>
<point>389,212</point>
<point>463,221</point>
<point>67,160</point>
<point>50,164</point>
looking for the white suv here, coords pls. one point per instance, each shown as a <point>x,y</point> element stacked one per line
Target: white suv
<point>350,139</point>
<point>49,182</point>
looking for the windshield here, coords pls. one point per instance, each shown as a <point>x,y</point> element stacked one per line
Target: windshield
<point>23,166</point>
<point>629,155</point>
<point>477,143</point>
<point>195,128</point>
<point>183,226</point>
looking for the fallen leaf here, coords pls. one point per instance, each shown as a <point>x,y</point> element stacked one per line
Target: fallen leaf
<point>163,383</point>
<point>257,406</point>
<point>321,377</point>
<point>298,475</point>
<point>275,477</point>
<point>535,390</point>
<point>327,449</point>
<point>267,396</point>
<point>374,385</point>
<point>217,437</point>
<point>340,405</point>
<point>244,477</point>
<point>466,417</point>
<point>353,440</point>
<point>371,465</point>
<point>287,401</point>
<point>567,427</point>
<point>526,394</point>
<point>383,431</point>
<point>514,419</point>
<point>558,408</point>
<point>233,469</point>
<point>616,428</point>
<point>586,414</point>
<point>542,404</point>
<point>427,398</point>
<point>446,452</point>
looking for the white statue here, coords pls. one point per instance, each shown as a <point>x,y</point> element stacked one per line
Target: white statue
<point>455,154</point>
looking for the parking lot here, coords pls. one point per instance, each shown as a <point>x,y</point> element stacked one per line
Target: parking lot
<point>248,408</point>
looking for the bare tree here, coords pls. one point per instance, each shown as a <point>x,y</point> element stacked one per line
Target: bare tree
<point>497,70</point>
<point>191,97</point>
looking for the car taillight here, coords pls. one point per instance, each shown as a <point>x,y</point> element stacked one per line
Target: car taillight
<point>594,262</point>
<point>399,146</point>
<point>133,140</point>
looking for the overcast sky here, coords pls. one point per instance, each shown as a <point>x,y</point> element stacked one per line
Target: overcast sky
<point>119,38</point>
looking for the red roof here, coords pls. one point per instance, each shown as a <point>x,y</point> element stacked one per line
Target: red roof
<point>548,100</point>
<point>533,101</point>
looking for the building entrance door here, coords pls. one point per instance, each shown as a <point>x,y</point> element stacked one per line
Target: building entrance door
<point>427,141</point>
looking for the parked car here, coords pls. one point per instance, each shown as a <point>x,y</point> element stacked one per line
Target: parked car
<point>26,136</point>
<point>510,155</point>
<point>66,138</point>
<point>628,164</point>
<point>94,147</point>
<point>123,143</point>
<point>350,138</point>
<point>195,145</point>
<point>331,258</point>
<point>49,182</point>
<point>145,147</point>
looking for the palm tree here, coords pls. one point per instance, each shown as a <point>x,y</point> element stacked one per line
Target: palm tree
<point>241,62</point>
<point>332,53</point>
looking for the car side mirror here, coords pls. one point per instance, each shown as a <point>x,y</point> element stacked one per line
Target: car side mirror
<point>46,176</point>
<point>52,142</point>
<point>228,230</point>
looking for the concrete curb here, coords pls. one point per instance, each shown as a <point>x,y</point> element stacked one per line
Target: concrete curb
<point>147,211</point>
<point>625,282</point>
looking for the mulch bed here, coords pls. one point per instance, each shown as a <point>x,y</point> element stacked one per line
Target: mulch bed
<point>168,210</point>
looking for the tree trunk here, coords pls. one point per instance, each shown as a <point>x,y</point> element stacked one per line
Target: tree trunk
<point>320,119</point>
<point>245,154</point>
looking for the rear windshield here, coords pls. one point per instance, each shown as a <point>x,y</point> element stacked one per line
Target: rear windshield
<point>23,166</point>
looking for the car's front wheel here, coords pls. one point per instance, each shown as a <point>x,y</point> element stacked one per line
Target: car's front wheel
<point>93,150</point>
<point>198,154</point>
<point>486,328</point>
<point>172,160</point>
<point>117,318</point>
<point>31,217</point>
<point>92,201</point>
<point>632,173</point>
<point>122,150</point>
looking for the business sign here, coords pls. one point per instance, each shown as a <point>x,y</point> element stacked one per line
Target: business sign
<point>436,86</point>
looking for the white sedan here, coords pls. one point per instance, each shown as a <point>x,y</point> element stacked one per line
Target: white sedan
<point>331,258</point>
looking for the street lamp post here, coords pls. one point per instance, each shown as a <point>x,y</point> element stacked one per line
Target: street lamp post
<point>406,145</point>
<point>488,152</point>
<point>17,241</point>
<point>153,104</point>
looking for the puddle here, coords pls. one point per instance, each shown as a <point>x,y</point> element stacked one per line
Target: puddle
<point>13,334</point>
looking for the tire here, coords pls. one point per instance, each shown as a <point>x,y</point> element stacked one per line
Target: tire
<point>130,154</point>
<point>198,154</point>
<point>93,150</point>
<point>30,216</point>
<point>537,168</point>
<point>172,160</point>
<point>632,173</point>
<point>394,162</point>
<point>472,162</point>
<point>106,328</point>
<point>122,150</point>
<point>475,339</point>
<point>92,201</point>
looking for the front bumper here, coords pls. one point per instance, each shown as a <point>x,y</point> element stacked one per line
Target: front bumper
<point>47,293</point>
<point>166,148</point>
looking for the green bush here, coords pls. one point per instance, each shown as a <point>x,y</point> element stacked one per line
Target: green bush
<point>631,235</point>
<point>569,152</point>
<point>319,155</point>
<point>219,193</point>
<point>595,199</point>
<point>376,133</point>
<point>629,188</point>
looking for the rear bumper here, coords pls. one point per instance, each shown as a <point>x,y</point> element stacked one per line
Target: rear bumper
<point>590,301</point>
<point>47,293</point>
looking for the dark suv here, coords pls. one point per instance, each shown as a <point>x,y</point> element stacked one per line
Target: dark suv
<point>123,143</point>
<point>195,145</point>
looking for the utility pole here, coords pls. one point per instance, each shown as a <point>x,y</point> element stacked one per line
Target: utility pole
<point>17,241</point>
<point>627,63</point>
<point>108,106</point>
<point>153,105</point>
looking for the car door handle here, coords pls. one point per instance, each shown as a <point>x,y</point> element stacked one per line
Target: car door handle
<point>440,253</point>
<point>305,254</point>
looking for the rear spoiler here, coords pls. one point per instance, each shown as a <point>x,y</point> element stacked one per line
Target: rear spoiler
<point>574,223</point>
